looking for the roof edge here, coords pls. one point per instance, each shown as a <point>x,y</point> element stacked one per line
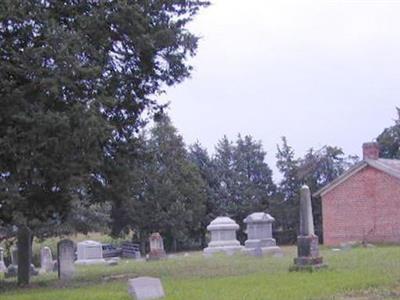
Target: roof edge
<point>353,170</point>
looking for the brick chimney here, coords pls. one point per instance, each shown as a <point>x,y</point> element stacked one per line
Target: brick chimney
<point>370,150</point>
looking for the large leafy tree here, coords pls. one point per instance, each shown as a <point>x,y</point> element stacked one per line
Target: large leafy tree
<point>76,78</point>
<point>389,140</point>
<point>316,169</point>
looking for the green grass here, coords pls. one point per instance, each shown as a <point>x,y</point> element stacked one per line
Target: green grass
<point>362,273</point>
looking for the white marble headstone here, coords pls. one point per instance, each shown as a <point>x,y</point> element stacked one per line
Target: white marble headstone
<point>65,259</point>
<point>145,288</point>
<point>46,260</point>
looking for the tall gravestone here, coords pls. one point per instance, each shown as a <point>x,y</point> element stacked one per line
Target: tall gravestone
<point>308,257</point>
<point>65,259</point>
<point>24,245</point>
<point>156,247</point>
<point>3,268</point>
<point>46,260</point>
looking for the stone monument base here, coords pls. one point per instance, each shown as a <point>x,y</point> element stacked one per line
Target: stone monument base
<point>97,261</point>
<point>157,255</point>
<point>229,250</point>
<point>307,268</point>
<point>308,254</point>
<point>12,271</point>
<point>267,251</point>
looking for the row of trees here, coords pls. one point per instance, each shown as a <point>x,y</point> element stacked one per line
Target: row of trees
<point>79,80</point>
<point>177,190</point>
<point>164,186</point>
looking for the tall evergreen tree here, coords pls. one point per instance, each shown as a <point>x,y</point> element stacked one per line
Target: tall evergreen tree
<point>286,206</point>
<point>172,196</point>
<point>200,157</point>
<point>245,180</point>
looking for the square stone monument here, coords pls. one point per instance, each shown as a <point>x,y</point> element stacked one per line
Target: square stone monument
<point>308,257</point>
<point>156,247</point>
<point>90,252</point>
<point>259,234</point>
<point>223,236</point>
<point>65,259</point>
<point>145,288</point>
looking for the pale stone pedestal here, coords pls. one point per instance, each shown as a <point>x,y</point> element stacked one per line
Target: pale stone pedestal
<point>259,233</point>
<point>223,237</point>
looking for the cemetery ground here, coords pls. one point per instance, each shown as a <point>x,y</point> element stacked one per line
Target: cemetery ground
<point>359,273</point>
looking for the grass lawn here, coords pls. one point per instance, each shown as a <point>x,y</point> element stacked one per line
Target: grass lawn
<point>361,273</point>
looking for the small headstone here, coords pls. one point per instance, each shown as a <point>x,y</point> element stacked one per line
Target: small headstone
<point>223,237</point>
<point>3,268</point>
<point>46,260</point>
<point>24,246</point>
<point>145,288</point>
<point>65,259</point>
<point>308,257</point>
<point>90,252</point>
<point>156,247</point>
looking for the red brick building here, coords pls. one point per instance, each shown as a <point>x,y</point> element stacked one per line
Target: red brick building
<point>364,203</point>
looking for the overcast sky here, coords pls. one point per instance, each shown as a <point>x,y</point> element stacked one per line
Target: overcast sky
<point>318,72</point>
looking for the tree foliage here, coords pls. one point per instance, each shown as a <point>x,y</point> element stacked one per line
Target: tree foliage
<point>76,78</point>
<point>169,194</point>
<point>316,169</point>
<point>389,140</point>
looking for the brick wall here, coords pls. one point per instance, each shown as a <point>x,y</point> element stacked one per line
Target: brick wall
<point>366,206</point>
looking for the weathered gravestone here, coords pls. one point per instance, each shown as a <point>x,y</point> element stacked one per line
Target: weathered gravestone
<point>24,245</point>
<point>90,252</point>
<point>65,259</point>
<point>223,236</point>
<point>259,235</point>
<point>156,247</point>
<point>145,288</point>
<point>308,257</point>
<point>3,268</point>
<point>46,260</point>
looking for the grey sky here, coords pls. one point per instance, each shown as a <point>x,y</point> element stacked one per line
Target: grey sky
<point>318,72</point>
